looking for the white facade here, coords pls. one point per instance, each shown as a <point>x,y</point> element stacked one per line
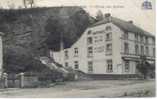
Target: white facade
<point>106,49</point>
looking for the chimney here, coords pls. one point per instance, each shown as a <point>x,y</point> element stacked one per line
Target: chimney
<point>130,21</point>
<point>108,17</point>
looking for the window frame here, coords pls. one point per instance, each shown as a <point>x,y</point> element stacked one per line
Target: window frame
<point>127,65</point>
<point>109,36</point>
<point>90,51</point>
<point>90,66</point>
<point>76,65</point>
<point>76,51</point>
<point>142,50</point>
<point>89,32</point>
<point>109,66</point>
<point>66,54</point>
<point>126,51</point>
<point>147,51</point>
<point>137,49</point>
<point>89,40</point>
<point>126,35</point>
<point>136,37</point>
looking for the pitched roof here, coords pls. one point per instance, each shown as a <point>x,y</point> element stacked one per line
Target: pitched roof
<point>124,25</point>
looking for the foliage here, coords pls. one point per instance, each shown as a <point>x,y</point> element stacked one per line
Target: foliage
<point>144,67</point>
<point>32,32</point>
<point>18,59</point>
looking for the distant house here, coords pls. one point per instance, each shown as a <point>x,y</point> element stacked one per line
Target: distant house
<point>110,46</point>
<point>1,54</point>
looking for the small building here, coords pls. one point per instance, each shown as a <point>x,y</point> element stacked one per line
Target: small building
<point>110,46</point>
<point>1,54</point>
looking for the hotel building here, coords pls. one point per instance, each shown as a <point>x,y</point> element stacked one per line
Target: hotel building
<point>110,46</point>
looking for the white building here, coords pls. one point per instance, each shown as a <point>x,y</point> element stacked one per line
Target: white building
<point>1,54</point>
<point>110,46</point>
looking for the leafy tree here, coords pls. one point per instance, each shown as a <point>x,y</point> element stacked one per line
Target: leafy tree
<point>144,67</point>
<point>18,59</point>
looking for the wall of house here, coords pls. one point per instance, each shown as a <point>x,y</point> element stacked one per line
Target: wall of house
<point>135,57</point>
<point>117,60</point>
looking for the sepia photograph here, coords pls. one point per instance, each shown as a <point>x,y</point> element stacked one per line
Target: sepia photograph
<point>77,49</point>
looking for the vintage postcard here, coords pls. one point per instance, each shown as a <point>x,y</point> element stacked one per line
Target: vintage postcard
<point>77,48</point>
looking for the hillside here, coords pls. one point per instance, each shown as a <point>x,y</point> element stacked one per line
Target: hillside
<point>30,33</point>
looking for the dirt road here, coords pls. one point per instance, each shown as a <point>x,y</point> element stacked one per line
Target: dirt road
<point>103,88</point>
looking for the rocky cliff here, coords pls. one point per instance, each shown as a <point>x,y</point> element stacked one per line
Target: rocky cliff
<point>30,33</point>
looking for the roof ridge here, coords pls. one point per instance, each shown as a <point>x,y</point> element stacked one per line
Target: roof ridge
<point>125,25</point>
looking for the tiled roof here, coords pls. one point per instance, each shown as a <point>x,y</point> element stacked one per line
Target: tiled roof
<point>124,25</point>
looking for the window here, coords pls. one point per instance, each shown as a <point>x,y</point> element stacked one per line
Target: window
<point>89,32</point>
<point>153,51</point>
<point>109,66</point>
<point>109,49</point>
<point>89,40</point>
<point>142,50</point>
<point>75,51</point>
<point>136,49</point>
<point>147,51</point>
<point>108,36</point>
<point>90,51</point>
<point>126,35</point>
<point>127,66</point>
<point>141,38</point>
<point>66,64</point>
<point>98,39</point>
<point>108,28</point>
<point>66,54</point>
<point>136,37</point>
<point>90,66</point>
<point>76,64</point>
<point>126,48</point>
<point>146,40</point>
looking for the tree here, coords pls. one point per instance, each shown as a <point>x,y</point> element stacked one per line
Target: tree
<point>144,67</point>
<point>28,3</point>
<point>99,16</point>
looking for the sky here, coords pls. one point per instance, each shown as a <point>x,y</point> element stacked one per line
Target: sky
<point>123,9</point>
